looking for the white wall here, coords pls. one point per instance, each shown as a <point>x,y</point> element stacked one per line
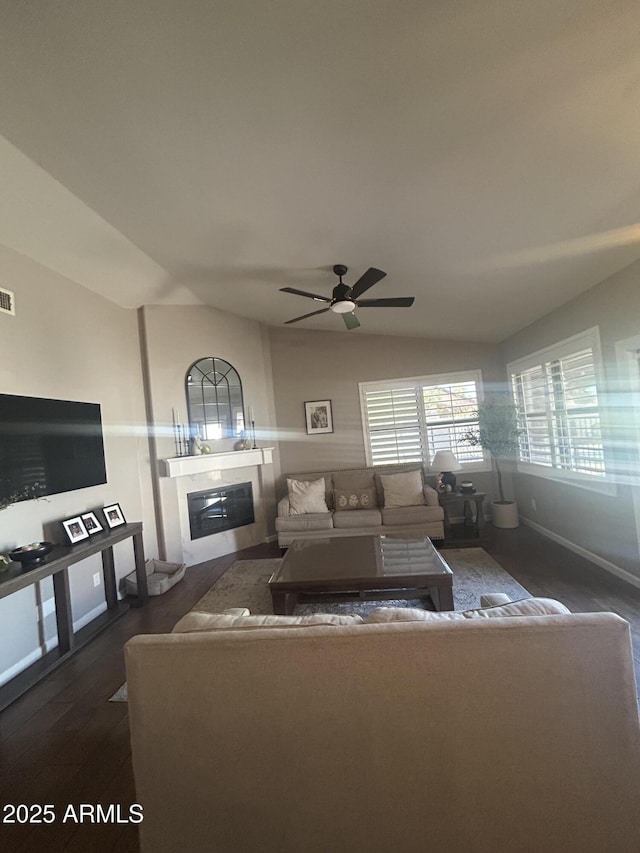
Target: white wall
<point>68,343</point>
<point>175,337</point>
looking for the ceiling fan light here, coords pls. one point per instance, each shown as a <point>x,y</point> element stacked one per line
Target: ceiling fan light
<point>344,306</point>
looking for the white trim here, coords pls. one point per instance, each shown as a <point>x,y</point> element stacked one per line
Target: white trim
<point>272,538</point>
<point>607,565</point>
<point>21,665</point>
<point>46,608</point>
<point>89,617</point>
<point>589,482</point>
<point>188,466</point>
<point>474,375</point>
<point>567,346</point>
<point>629,385</point>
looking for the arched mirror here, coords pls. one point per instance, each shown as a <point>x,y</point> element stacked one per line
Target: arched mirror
<point>214,399</point>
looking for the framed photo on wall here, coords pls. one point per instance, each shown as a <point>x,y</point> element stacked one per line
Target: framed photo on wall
<point>319,416</point>
<point>75,529</point>
<point>113,516</point>
<point>91,523</point>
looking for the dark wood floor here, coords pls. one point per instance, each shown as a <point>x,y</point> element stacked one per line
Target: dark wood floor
<point>64,743</point>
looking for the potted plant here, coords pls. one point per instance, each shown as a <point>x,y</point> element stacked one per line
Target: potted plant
<point>498,433</point>
<point>28,493</point>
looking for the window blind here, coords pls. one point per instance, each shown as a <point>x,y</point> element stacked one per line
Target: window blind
<point>558,412</point>
<point>393,420</point>
<point>410,421</point>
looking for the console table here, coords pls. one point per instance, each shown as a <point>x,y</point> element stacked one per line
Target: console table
<point>56,566</point>
<point>472,520</point>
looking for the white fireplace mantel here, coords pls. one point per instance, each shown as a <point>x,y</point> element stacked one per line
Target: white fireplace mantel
<point>185,466</point>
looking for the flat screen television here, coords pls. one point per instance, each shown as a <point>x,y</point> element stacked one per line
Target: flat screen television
<point>56,444</point>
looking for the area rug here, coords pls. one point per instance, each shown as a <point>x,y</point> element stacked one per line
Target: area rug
<point>244,584</point>
<point>474,573</point>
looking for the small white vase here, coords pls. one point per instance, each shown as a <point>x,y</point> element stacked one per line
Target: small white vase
<point>504,514</point>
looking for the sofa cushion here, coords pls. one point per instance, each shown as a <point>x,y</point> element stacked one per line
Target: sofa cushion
<point>354,518</point>
<point>398,468</point>
<point>430,496</point>
<point>349,499</point>
<point>411,515</point>
<point>403,489</point>
<point>307,476</point>
<point>360,478</point>
<point>306,496</point>
<point>198,620</point>
<point>310,521</point>
<point>523,607</point>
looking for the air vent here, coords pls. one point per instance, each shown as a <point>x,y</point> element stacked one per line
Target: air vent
<point>7,302</point>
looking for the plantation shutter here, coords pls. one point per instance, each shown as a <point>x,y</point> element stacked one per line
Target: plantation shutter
<point>575,414</point>
<point>393,420</point>
<point>558,413</point>
<point>451,410</point>
<point>530,394</point>
<point>409,420</point>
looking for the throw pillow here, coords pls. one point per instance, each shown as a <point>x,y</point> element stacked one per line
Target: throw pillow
<point>306,496</point>
<point>404,489</point>
<point>523,607</point>
<point>354,498</point>
<point>197,621</point>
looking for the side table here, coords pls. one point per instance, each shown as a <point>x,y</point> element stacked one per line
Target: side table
<point>473,515</point>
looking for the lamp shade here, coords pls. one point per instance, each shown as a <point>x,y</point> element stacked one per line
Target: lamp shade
<point>444,460</point>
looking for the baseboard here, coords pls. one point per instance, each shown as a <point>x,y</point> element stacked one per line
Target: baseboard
<point>89,617</point>
<point>272,538</point>
<point>18,667</point>
<point>50,643</point>
<point>607,565</point>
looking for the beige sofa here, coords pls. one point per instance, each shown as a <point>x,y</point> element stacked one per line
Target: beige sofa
<point>464,735</point>
<point>427,518</point>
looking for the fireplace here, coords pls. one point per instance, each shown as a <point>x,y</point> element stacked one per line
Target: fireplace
<point>214,510</point>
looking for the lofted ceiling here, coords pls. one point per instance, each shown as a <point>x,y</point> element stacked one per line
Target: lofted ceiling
<point>485,154</point>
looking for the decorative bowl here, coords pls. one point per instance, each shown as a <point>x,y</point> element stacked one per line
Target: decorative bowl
<point>31,555</point>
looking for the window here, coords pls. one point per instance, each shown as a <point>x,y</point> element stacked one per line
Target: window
<point>556,396</point>
<point>409,420</point>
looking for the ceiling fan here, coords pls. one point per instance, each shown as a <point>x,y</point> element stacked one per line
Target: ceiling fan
<point>344,299</point>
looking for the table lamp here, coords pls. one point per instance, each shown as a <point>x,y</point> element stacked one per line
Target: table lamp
<point>445,462</point>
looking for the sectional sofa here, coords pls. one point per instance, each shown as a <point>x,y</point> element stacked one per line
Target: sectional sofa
<point>344,514</point>
<point>444,733</point>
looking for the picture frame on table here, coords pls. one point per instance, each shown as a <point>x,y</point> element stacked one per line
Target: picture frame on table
<point>75,529</point>
<point>113,515</point>
<point>91,523</point>
<point>319,416</point>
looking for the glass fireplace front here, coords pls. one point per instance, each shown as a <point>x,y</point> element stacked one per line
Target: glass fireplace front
<point>224,508</point>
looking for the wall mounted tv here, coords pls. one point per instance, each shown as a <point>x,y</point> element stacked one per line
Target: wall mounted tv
<point>54,443</point>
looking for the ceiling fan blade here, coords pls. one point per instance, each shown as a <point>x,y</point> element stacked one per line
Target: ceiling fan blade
<point>351,321</point>
<point>305,293</point>
<point>371,277</point>
<point>393,302</point>
<point>304,316</point>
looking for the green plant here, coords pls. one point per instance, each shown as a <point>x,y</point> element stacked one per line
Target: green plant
<point>497,431</point>
<point>28,493</point>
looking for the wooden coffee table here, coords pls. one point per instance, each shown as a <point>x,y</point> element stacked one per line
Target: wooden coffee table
<point>363,567</point>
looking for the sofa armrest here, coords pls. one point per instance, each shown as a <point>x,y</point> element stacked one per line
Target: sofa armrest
<point>492,599</point>
<point>430,496</point>
<point>237,611</point>
<point>284,508</point>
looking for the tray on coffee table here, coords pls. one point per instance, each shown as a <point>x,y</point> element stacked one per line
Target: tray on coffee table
<point>363,567</point>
